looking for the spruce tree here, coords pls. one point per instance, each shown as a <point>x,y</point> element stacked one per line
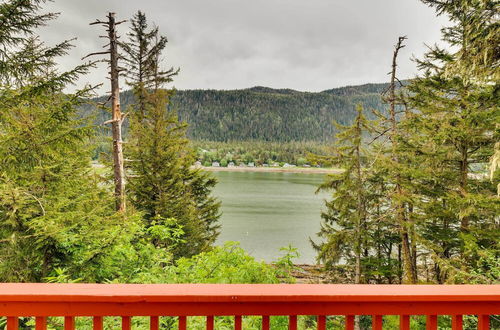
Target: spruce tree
<point>162,183</point>
<point>350,226</point>
<point>143,56</point>
<point>390,164</point>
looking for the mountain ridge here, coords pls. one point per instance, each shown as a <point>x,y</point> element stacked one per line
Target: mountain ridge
<point>264,113</point>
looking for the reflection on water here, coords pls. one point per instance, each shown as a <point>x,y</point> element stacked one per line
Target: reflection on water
<point>266,211</point>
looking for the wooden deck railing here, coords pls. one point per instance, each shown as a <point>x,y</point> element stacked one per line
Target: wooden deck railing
<point>210,300</point>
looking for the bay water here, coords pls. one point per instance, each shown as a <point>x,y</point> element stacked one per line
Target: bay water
<point>265,211</point>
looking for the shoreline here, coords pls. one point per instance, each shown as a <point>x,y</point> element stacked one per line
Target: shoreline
<point>311,170</point>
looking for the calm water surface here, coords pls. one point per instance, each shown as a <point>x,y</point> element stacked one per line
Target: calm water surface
<point>266,211</point>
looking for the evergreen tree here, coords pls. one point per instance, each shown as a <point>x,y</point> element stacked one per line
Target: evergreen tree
<point>392,160</point>
<point>162,183</point>
<point>351,228</point>
<point>452,135</point>
<point>143,51</point>
<point>54,214</point>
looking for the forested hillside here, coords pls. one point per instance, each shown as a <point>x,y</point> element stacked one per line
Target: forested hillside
<point>267,114</point>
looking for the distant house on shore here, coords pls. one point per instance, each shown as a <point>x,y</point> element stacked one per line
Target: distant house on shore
<point>197,164</point>
<point>265,165</point>
<point>251,164</point>
<point>286,165</point>
<point>275,165</point>
<point>215,164</point>
<point>231,164</point>
<point>242,165</point>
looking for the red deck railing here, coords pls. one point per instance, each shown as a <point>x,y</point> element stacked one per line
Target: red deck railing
<point>182,300</point>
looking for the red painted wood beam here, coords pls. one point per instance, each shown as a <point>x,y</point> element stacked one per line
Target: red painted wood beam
<point>265,322</point>
<point>349,322</point>
<point>40,323</point>
<point>321,322</point>
<point>404,322</point>
<point>210,322</point>
<point>12,323</point>
<point>182,322</point>
<point>457,322</point>
<point>97,322</point>
<point>154,323</point>
<point>431,322</point>
<point>237,322</point>
<point>292,322</point>
<point>483,322</point>
<point>69,323</point>
<point>126,323</point>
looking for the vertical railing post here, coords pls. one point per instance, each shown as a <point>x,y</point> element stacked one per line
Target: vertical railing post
<point>12,323</point>
<point>292,322</point>
<point>483,322</point>
<point>210,322</point>
<point>265,322</point>
<point>321,322</point>
<point>457,322</point>
<point>126,323</point>
<point>69,323</point>
<point>377,322</point>
<point>237,322</point>
<point>404,322</point>
<point>97,322</point>
<point>182,322</point>
<point>40,323</point>
<point>154,323</point>
<point>431,322</point>
<point>349,322</point>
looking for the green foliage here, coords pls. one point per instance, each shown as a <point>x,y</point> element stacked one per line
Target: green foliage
<point>452,130</point>
<point>263,114</point>
<point>428,178</point>
<point>18,21</point>
<point>143,55</point>
<point>351,228</point>
<point>54,213</point>
<point>174,199</point>
<point>258,152</point>
<point>285,263</point>
<point>224,264</point>
<point>162,184</point>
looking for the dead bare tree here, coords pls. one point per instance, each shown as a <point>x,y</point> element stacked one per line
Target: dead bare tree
<point>117,116</point>
<point>402,210</point>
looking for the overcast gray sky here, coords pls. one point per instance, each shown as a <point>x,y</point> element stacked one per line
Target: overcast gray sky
<point>308,45</point>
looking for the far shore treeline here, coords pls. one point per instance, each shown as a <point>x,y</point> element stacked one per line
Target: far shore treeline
<point>261,113</point>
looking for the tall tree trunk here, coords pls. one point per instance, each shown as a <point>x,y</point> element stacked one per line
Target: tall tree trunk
<point>361,206</point>
<point>464,176</point>
<point>361,215</point>
<point>410,273</point>
<point>116,123</point>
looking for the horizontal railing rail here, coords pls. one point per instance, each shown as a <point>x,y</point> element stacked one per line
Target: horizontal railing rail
<point>211,300</point>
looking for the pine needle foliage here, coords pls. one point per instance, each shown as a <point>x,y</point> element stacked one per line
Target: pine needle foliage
<point>54,212</point>
<point>454,130</point>
<point>162,183</point>
<point>351,230</point>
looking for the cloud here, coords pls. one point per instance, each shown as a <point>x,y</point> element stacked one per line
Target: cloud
<point>224,44</point>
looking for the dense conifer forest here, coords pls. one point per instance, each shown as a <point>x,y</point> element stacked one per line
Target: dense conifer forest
<point>266,114</point>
